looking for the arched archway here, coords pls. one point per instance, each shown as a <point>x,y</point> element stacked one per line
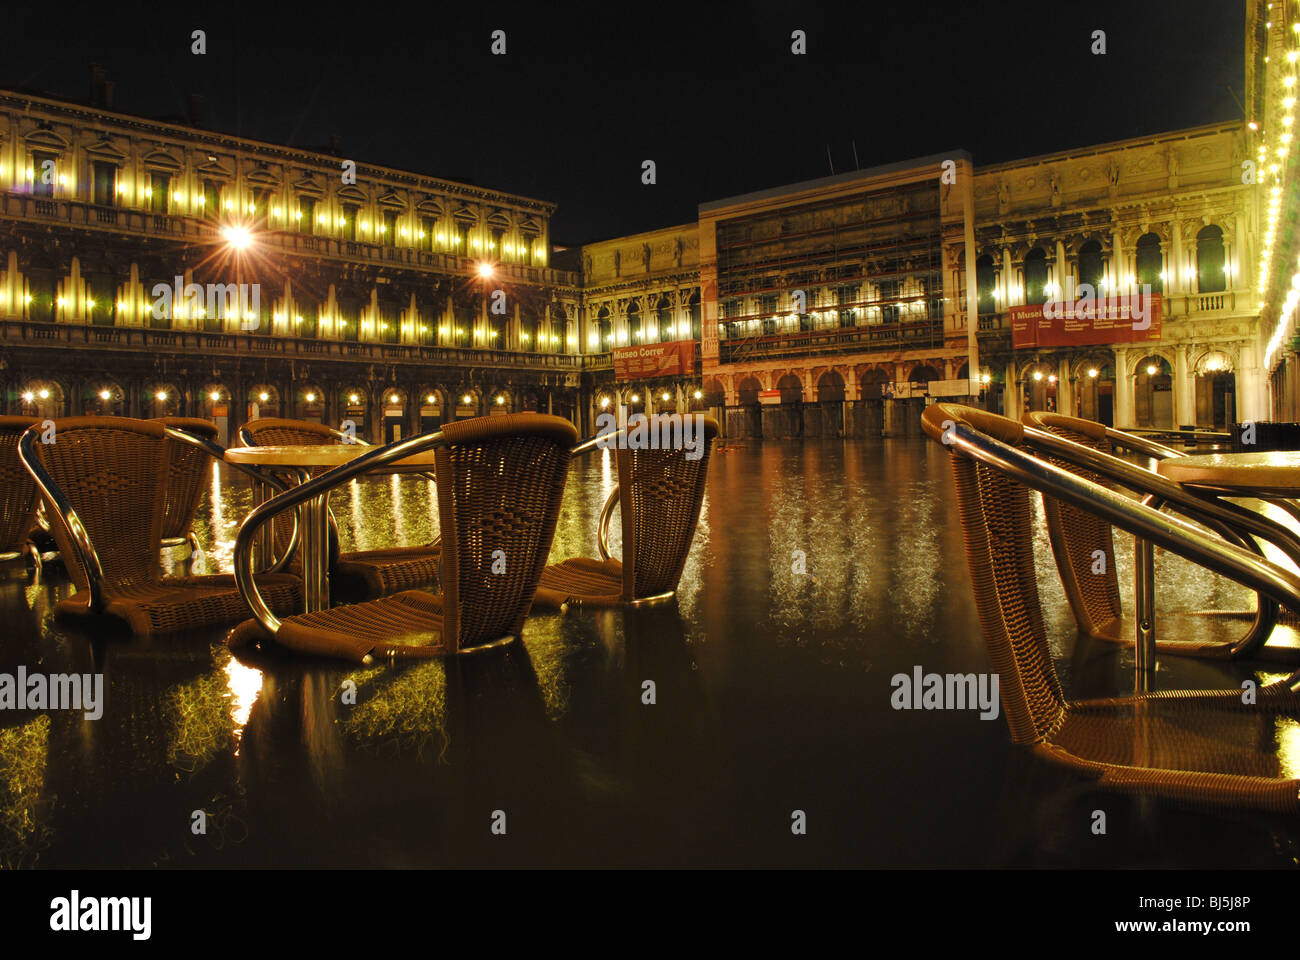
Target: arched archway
<point>1153,394</point>
<point>393,403</point>
<point>748,415</point>
<point>830,404</point>
<point>786,418</point>
<point>104,398</point>
<point>1216,391</point>
<point>1094,389</point>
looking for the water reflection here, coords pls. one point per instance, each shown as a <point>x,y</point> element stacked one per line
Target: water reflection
<point>683,733</point>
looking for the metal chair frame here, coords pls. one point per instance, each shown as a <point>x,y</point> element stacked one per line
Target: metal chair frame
<point>1141,519</point>
<point>1229,520</point>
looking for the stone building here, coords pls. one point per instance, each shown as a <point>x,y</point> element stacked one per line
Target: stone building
<point>150,268</point>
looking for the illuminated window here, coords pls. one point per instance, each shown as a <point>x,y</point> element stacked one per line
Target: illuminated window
<point>105,184</point>
<point>845,297</point>
<point>306,214</point>
<point>697,316</point>
<point>160,189</point>
<point>1149,264</point>
<point>40,187</point>
<point>664,318</point>
<point>350,221</point>
<point>605,329</point>
<point>426,233</point>
<point>1210,261</point>
<point>1036,276</point>
<point>388,236</point>
<point>985,283</point>
<point>1090,265</point>
<point>634,322</point>
<point>212,199</point>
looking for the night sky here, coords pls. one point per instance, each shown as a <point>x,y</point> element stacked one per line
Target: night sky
<point>712,94</point>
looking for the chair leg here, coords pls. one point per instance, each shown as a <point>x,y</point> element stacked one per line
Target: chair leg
<point>37,565</point>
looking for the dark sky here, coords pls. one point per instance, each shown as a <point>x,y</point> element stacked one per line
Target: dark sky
<point>710,92</point>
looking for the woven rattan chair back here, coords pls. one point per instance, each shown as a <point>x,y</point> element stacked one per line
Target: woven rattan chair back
<point>113,471</point>
<point>18,498</point>
<point>997,528</point>
<point>275,432</point>
<point>500,484</point>
<point>660,494</point>
<point>188,467</point>
<point>1076,536</point>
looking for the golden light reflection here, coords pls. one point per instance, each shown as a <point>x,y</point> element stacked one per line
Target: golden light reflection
<point>24,751</point>
<point>244,685</point>
<point>1288,747</point>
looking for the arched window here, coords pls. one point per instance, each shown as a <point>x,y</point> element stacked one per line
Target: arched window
<point>1090,266</point>
<point>985,284</point>
<point>1210,260</point>
<point>1149,263</point>
<point>633,322</point>
<point>696,316</point>
<point>664,316</point>
<point>1036,276</point>
<point>605,329</point>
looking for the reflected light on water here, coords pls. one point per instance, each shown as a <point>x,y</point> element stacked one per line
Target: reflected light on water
<point>244,684</point>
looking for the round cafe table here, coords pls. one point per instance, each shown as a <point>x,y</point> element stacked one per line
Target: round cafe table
<point>313,514</point>
<point>1271,476</point>
<point>1237,474</point>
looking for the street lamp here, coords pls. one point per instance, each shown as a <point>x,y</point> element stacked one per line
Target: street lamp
<point>239,238</point>
<point>485,270</point>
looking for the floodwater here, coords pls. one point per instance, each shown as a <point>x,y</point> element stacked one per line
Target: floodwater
<point>772,695</point>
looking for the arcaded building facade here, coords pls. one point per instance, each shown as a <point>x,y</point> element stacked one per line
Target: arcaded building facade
<point>839,306</point>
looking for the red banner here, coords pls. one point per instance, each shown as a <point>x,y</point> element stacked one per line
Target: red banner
<point>653,360</point>
<point>1119,319</point>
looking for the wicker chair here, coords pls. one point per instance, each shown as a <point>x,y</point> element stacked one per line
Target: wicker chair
<point>360,574</point>
<point>184,480</point>
<point>105,485</point>
<point>659,493</point>
<point>18,497</point>
<point>1202,747</point>
<point>500,484</point>
<point>1076,534</point>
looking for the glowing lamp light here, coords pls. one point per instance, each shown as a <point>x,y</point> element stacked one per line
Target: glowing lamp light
<point>604,402</point>
<point>310,398</point>
<point>393,399</point>
<point>635,398</point>
<point>214,396</point>
<point>1038,375</point>
<point>665,397</point>
<point>1093,373</point>
<point>264,397</point>
<point>485,270</point>
<point>430,399</point>
<point>90,303</point>
<point>698,394</point>
<point>28,397</point>
<point>237,237</point>
<point>353,398</point>
<point>500,400</point>
<point>43,394</point>
<point>467,399</point>
<point>104,395</point>
<point>1052,378</point>
<point>1151,369</point>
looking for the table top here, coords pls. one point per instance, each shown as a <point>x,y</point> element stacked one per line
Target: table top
<point>1276,473</point>
<point>320,455</point>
